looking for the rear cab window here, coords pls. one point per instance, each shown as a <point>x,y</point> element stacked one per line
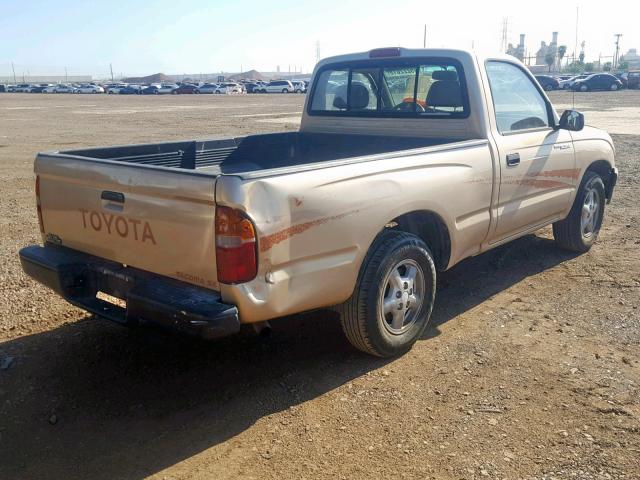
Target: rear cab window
<point>417,88</point>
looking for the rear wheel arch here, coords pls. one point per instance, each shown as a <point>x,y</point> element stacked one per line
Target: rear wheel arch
<point>431,229</point>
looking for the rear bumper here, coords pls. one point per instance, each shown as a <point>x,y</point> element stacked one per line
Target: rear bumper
<point>150,299</point>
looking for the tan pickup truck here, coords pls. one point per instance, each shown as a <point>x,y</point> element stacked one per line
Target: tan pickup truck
<point>406,162</point>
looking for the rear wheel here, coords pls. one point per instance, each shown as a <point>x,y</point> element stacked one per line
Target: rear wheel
<point>284,90</point>
<point>579,231</point>
<point>390,307</point>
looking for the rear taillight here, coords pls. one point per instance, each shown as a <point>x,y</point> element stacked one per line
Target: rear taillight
<point>38,207</point>
<point>236,257</point>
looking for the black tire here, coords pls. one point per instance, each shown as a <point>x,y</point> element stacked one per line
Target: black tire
<point>548,87</point>
<point>569,233</point>
<point>284,90</point>
<point>366,326</point>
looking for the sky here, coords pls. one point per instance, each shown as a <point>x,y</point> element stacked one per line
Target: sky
<point>42,37</point>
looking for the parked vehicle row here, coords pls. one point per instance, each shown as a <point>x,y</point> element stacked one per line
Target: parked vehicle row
<point>275,86</point>
<point>587,82</point>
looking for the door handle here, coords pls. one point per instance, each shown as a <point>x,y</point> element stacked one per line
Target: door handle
<point>513,159</point>
<point>110,196</point>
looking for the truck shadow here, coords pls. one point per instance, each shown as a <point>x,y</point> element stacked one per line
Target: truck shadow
<point>93,400</point>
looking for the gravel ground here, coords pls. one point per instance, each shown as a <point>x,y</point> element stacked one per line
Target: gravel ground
<point>530,370</point>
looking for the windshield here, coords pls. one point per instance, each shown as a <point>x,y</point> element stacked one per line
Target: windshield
<point>405,88</point>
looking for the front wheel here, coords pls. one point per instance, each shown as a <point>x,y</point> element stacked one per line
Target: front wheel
<point>614,87</point>
<point>584,88</point>
<point>548,87</point>
<point>391,305</point>
<point>579,231</point>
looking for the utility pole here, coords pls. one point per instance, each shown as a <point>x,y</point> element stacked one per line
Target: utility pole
<point>66,77</point>
<point>14,73</point>
<point>615,56</point>
<point>317,51</point>
<point>111,68</point>
<point>424,37</point>
<point>575,45</point>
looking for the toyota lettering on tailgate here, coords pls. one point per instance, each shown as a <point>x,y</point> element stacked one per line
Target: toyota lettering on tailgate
<point>117,225</point>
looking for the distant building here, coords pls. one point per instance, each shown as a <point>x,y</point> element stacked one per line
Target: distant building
<point>632,58</point>
<point>518,50</point>
<point>545,49</point>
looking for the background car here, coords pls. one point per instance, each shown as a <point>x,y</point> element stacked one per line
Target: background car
<point>88,88</point>
<point>633,79</point>
<point>208,88</point>
<point>23,88</point>
<point>63,88</point>
<point>114,88</point>
<point>623,77</point>
<point>299,87</point>
<point>278,86</point>
<point>567,84</point>
<point>2,88</point>
<point>39,88</point>
<point>166,88</point>
<point>547,82</point>
<point>130,90</point>
<point>597,81</point>
<point>250,87</point>
<point>150,90</point>
<point>186,88</point>
<point>228,87</point>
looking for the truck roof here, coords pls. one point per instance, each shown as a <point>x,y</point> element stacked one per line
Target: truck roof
<point>400,52</point>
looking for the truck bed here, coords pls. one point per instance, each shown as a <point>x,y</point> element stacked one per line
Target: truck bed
<point>256,152</point>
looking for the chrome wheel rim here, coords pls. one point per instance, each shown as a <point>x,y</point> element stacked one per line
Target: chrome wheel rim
<point>401,296</point>
<point>590,211</point>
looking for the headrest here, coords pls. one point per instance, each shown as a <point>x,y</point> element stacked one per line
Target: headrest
<point>359,96</point>
<point>339,102</point>
<point>444,75</point>
<point>444,93</point>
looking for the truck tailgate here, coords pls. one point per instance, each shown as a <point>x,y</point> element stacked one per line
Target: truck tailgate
<point>158,220</point>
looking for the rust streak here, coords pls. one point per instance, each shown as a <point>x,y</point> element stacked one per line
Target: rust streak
<point>269,241</point>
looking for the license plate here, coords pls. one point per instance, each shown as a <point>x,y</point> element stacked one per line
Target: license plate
<point>105,297</point>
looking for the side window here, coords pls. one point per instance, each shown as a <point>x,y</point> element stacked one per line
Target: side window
<point>517,102</point>
<point>331,93</point>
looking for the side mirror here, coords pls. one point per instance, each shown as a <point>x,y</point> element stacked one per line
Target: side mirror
<point>571,120</point>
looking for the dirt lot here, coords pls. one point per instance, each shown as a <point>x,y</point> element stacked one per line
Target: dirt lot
<point>530,370</point>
